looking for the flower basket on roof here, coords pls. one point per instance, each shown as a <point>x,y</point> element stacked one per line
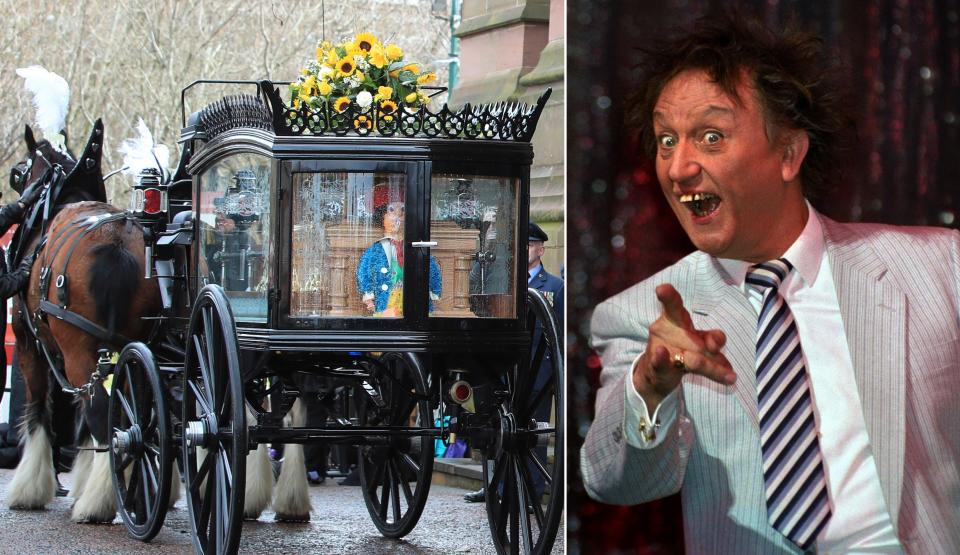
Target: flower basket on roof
<point>362,86</point>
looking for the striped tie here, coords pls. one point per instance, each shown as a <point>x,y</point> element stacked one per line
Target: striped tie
<point>793,473</point>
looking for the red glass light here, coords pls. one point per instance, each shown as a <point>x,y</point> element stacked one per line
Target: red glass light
<point>461,392</point>
<point>151,201</point>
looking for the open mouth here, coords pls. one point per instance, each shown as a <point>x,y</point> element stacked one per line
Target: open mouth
<point>701,204</point>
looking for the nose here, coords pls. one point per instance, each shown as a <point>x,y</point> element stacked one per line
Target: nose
<point>684,165</point>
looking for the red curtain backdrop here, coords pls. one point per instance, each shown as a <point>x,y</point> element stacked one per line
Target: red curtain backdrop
<point>904,60</point>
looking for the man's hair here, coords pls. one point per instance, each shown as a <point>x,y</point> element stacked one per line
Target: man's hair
<point>797,85</point>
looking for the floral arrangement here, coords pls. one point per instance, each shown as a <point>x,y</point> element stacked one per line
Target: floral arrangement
<point>360,73</point>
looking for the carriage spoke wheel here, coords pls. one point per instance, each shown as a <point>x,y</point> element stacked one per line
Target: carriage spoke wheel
<point>214,426</point>
<point>141,454</point>
<point>524,467</point>
<point>395,477</point>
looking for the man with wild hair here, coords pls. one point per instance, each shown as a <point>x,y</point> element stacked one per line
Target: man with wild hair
<point>795,377</point>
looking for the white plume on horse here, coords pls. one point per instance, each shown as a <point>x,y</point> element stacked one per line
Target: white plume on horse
<point>51,98</point>
<point>141,152</point>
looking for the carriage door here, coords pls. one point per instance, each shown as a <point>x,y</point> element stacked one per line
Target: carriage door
<point>234,243</point>
<point>473,264</point>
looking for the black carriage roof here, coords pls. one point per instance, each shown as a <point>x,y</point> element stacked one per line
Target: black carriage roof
<point>267,112</point>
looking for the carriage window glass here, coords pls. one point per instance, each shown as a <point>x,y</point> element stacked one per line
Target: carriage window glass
<point>347,258</point>
<point>473,220</point>
<point>235,245</point>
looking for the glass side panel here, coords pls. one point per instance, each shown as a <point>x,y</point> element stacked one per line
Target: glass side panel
<point>347,254</point>
<point>473,219</point>
<point>235,244</point>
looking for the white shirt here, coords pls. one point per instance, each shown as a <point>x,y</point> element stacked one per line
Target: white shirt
<point>860,520</point>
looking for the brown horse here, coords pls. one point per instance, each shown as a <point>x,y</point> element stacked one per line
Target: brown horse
<point>90,262</point>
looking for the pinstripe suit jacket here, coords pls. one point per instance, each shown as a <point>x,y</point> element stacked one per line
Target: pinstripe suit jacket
<point>899,292</point>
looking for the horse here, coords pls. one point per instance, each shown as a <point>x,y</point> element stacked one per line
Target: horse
<point>89,275</point>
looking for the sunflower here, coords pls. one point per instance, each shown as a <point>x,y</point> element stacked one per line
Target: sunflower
<point>341,104</point>
<point>365,41</point>
<point>324,88</point>
<point>388,107</point>
<point>378,58</point>
<point>346,66</point>
<point>384,93</point>
<point>393,52</point>
<point>363,121</point>
<point>426,78</point>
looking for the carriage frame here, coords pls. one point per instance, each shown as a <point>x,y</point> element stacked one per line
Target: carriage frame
<point>194,382</point>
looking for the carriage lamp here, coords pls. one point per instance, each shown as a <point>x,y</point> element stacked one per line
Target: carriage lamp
<point>462,393</point>
<point>149,197</point>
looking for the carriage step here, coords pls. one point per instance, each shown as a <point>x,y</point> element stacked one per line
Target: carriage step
<point>94,449</point>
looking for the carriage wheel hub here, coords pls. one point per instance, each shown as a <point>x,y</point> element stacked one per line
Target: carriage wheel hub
<point>128,441</point>
<point>200,433</point>
<point>506,434</point>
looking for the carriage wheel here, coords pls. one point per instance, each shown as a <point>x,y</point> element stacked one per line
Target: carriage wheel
<point>141,454</point>
<point>214,425</point>
<point>528,425</point>
<point>395,478</point>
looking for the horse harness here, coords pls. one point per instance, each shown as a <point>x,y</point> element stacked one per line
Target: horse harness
<point>66,240</point>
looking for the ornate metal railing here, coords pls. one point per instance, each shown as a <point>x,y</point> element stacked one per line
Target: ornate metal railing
<point>505,121</point>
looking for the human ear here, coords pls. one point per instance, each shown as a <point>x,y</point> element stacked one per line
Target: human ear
<point>794,152</point>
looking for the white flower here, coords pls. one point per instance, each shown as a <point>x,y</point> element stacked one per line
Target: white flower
<point>325,71</point>
<point>364,99</point>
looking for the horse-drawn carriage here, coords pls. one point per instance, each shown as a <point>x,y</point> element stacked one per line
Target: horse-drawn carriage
<point>379,257</point>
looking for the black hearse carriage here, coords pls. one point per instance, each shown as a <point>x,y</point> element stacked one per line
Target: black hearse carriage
<point>381,257</point>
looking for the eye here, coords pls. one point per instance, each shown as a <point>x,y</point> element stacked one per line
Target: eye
<point>667,141</point>
<point>712,137</point>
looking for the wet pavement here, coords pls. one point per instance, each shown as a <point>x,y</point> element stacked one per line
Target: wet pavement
<point>339,524</point>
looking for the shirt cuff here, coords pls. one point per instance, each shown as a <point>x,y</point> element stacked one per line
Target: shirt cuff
<point>644,431</point>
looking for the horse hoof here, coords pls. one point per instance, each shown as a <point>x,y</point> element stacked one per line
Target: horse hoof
<point>93,519</point>
<point>27,506</point>
<point>292,518</point>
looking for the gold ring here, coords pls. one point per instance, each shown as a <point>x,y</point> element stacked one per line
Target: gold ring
<point>678,362</point>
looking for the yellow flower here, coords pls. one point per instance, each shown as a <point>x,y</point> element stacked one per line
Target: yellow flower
<point>388,107</point>
<point>423,98</point>
<point>346,66</point>
<point>320,53</point>
<point>410,98</point>
<point>395,73</point>
<point>394,52</point>
<point>363,121</point>
<point>427,78</point>
<point>296,103</point>
<point>378,58</point>
<point>341,104</point>
<point>387,118</point>
<point>365,41</point>
<point>324,88</point>
<point>384,93</point>
<point>413,68</point>
<point>332,57</point>
<point>326,45</point>
<point>360,75</point>
<point>304,71</point>
<point>306,89</point>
